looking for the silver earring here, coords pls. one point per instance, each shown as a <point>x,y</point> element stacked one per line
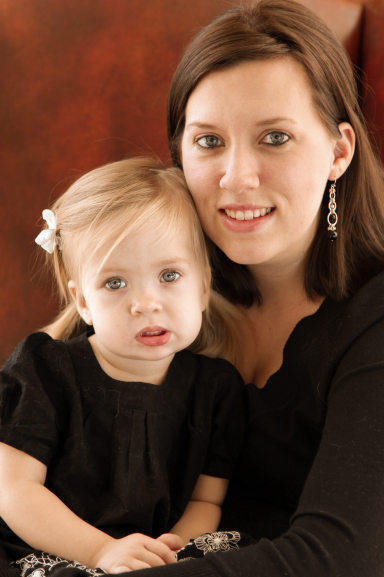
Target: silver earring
<point>332,216</point>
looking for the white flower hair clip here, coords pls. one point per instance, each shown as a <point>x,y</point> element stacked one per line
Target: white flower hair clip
<point>47,238</point>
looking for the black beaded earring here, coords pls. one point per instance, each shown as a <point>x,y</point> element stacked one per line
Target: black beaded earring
<point>332,216</point>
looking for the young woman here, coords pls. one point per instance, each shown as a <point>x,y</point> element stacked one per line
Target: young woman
<point>263,117</point>
<point>116,443</point>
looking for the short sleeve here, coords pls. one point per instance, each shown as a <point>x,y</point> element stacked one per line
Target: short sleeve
<point>32,407</point>
<point>227,429</point>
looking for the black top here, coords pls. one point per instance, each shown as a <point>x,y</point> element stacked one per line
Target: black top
<point>123,456</point>
<point>310,485</point>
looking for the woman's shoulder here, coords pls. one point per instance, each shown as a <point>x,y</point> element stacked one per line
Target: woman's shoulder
<point>371,292</point>
<point>363,310</point>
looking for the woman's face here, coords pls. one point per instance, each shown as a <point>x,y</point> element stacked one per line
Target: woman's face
<point>257,158</point>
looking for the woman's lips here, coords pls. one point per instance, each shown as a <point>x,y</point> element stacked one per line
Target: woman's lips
<point>246,220</point>
<point>153,336</point>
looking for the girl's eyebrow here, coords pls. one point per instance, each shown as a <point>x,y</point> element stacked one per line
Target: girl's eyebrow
<point>174,260</point>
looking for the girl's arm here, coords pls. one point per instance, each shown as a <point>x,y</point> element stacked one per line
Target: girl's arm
<point>203,512</point>
<point>43,521</point>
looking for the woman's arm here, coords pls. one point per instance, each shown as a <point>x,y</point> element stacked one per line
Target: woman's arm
<point>203,512</point>
<point>43,521</point>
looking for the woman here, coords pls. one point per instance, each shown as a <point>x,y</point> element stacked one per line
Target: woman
<point>263,117</point>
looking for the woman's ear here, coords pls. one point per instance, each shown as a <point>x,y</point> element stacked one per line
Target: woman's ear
<point>80,302</point>
<point>343,151</point>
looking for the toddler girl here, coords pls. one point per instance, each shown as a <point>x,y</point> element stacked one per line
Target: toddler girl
<point>117,443</point>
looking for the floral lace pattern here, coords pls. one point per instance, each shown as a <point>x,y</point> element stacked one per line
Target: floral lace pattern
<point>44,566</point>
<point>218,542</point>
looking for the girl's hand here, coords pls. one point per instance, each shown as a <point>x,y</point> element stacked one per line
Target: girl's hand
<point>174,542</point>
<point>137,551</point>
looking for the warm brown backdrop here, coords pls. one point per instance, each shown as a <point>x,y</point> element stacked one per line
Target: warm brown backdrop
<point>84,82</point>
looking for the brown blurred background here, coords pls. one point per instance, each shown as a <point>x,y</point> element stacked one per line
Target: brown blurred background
<point>84,82</point>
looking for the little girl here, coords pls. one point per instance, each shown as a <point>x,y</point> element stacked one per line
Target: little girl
<point>117,443</point>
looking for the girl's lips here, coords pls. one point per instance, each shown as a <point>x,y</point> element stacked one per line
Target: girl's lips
<point>235,225</point>
<point>153,336</point>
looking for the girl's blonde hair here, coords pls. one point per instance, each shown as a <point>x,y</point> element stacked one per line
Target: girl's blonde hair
<point>107,204</point>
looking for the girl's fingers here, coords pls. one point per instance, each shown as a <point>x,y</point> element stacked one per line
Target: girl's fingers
<point>151,558</point>
<point>174,542</point>
<point>137,564</point>
<point>161,550</point>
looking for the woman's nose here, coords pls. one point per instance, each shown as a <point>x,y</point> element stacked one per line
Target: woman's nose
<point>241,172</point>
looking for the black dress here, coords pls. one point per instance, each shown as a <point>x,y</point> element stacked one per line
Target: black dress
<point>123,456</point>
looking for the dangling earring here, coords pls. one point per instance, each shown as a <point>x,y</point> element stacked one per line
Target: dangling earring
<point>332,216</point>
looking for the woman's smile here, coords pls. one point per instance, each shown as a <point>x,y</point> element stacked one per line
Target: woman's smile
<point>247,213</point>
<point>246,220</point>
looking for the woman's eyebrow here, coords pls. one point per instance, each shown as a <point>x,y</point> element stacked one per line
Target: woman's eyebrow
<point>200,125</point>
<point>274,120</point>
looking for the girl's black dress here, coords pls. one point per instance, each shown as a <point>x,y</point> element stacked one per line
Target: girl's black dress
<point>123,456</point>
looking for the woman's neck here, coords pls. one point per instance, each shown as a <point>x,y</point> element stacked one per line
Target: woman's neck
<point>280,286</point>
<point>284,303</point>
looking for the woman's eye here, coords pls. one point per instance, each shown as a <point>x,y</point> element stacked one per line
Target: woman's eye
<point>169,276</point>
<point>209,141</point>
<point>115,283</point>
<point>276,138</point>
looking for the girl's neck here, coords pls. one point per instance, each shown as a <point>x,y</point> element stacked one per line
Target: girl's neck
<point>131,370</point>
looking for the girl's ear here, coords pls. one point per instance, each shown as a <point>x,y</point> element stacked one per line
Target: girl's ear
<point>80,302</point>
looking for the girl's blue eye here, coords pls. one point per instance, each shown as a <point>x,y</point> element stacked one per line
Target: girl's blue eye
<point>115,283</point>
<point>276,138</point>
<point>169,276</point>
<point>209,141</point>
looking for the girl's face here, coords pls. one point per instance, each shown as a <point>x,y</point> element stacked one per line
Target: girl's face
<point>146,301</point>
<point>257,158</point>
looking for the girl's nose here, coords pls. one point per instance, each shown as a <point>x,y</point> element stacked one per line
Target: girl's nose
<point>145,305</point>
<point>241,172</point>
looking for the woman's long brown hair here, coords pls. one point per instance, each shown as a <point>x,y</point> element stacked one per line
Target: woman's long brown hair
<point>281,29</point>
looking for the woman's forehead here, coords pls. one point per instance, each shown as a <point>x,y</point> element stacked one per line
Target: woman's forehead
<point>269,89</point>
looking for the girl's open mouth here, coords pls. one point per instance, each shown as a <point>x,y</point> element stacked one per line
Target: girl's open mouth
<point>153,336</point>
